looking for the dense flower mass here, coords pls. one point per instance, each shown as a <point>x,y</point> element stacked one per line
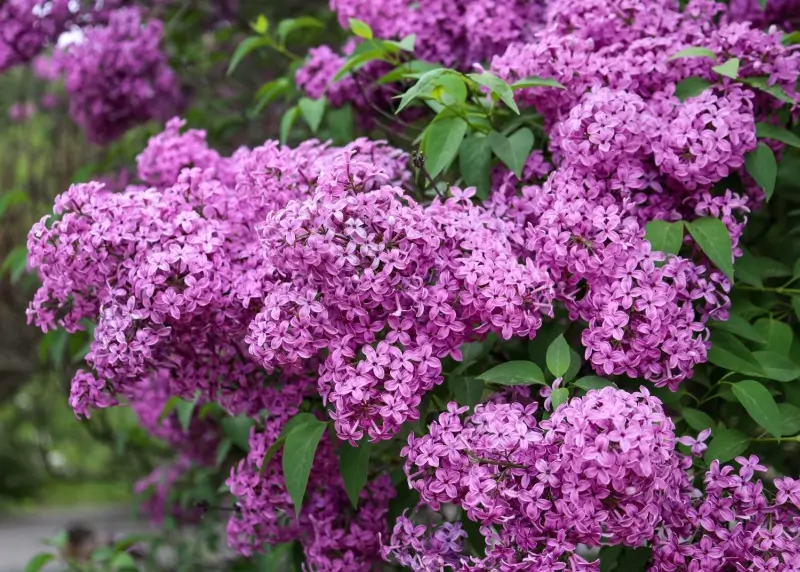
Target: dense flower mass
<point>472,33</point>
<point>364,262</point>
<point>117,76</point>
<point>322,281</point>
<point>26,29</point>
<point>602,469</point>
<point>629,151</point>
<point>163,267</point>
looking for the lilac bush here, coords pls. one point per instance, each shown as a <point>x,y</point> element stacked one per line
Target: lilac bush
<point>527,322</point>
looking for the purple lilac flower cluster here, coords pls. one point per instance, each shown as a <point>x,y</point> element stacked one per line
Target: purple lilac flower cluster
<point>472,33</point>
<point>29,26</point>
<point>784,13</point>
<point>161,268</point>
<point>603,469</point>
<point>628,151</point>
<point>173,273</point>
<point>117,76</point>
<point>389,287</point>
<point>588,43</point>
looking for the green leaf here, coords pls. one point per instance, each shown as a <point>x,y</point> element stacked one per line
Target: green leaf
<point>729,69</point>
<point>575,363</point>
<point>497,86</point>
<point>559,396</point>
<point>223,449</point>
<point>726,444</point>
<point>261,25</point>
<point>759,403</point>
<point>354,465</point>
<point>691,87</point>
<point>776,91</point>
<point>729,353</point>
<point>270,453</point>
<point>287,121</point>
<point>424,85</point>
<point>697,419</point>
<point>514,373</point>
<point>414,68</point>
<point>746,308</point>
<point>778,336</point>
<point>123,561</point>
<point>406,44</point>
<point>791,39</point>
<point>776,133</point>
<point>237,429</point>
<point>286,27</point>
<point>355,62</point>
<point>312,111</point>
<point>341,124</point>
<point>737,325</point>
<point>762,166</point>
<point>713,239</point>
<point>185,411</point>
<point>450,90</point>
<point>535,81</point>
<point>513,151</point>
<point>796,305</point>
<point>296,421</point>
<point>474,536</point>
<point>748,270</point>
<point>558,356</point>
<point>635,559</point>
<point>289,426</point>
<point>777,366</point>
<point>466,390</point>
<point>609,558</point>
<point>790,418</point>
<point>663,236</point>
<point>593,382</point>
<point>247,46</point>
<point>39,561</point>
<point>694,52</point>
<point>360,29</point>
<point>441,142</point>
<point>269,92</point>
<point>368,46</point>
<point>475,163</point>
<point>298,456</point>
<point>771,268</point>
<point>10,199</point>
<point>168,408</point>
<point>473,351</point>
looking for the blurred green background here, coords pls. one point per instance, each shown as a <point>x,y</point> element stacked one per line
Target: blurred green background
<point>47,457</point>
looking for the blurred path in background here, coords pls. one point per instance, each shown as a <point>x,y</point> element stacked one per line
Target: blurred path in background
<point>21,535</point>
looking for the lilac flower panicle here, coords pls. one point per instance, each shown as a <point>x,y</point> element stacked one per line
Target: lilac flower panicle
<point>116,76</point>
